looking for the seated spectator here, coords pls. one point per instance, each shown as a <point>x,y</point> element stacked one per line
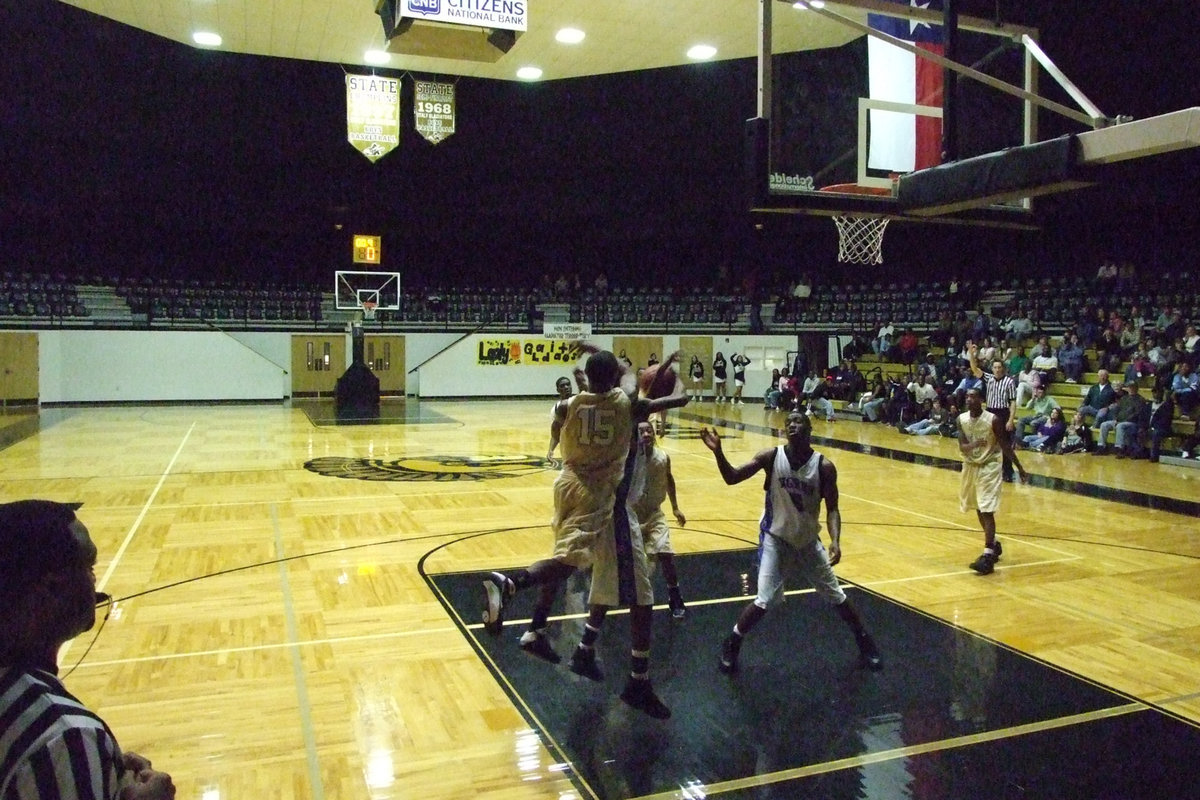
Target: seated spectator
<point>774,389</point>
<point>1109,352</point>
<point>933,416</point>
<point>1138,320</point>
<point>949,358</point>
<point>1088,330</point>
<point>929,369</point>
<point>1185,389</point>
<point>1019,328</point>
<point>949,428</point>
<point>1049,433</point>
<point>921,391</point>
<point>949,381</point>
<point>1115,322</point>
<point>1129,418</point>
<point>871,402</point>
<point>987,351</point>
<point>810,385</point>
<point>1014,361</point>
<point>1128,338</point>
<point>883,340</point>
<point>791,390</point>
<point>1046,367</point>
<point>1099,399</point>
<point>908,347</point>
<point>969,382</point>
<point>1078,436</point>
<point>899,403</point>
<point>1159,354</point>
<point>803,289</point>
<point>1027,381</point>
<point>1162,413</point>
<point>818,401</point>
<point>1163,321</point>
<point>981,326</point>
<point>1191,339</point>
<point>1139,363</point>
<point>847,381</point>
<point>964,355</point>
<point>1039,406</point>
<point>1070,358</point>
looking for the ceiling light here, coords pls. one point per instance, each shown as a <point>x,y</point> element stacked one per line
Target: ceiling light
<point>206,39</point>
<point>529,73</point>
<point>570,36</point>
<point>700,52</point>
<point>813,3</point>
<point>377,56</point>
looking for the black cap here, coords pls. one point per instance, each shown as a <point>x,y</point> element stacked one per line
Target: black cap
<point>35,538</point>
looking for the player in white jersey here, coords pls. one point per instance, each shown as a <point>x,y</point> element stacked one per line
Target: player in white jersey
<point>797,480</point>
<point>656,534</point>
<point>985,443</point>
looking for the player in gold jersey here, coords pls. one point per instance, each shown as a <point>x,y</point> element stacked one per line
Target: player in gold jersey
<point>984,443</point>
<point>594,428</point>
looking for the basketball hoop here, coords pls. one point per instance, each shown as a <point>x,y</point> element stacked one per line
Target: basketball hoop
<point>368,309</point>
<point>860,236</point>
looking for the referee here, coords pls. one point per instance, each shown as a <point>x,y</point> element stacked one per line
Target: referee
<point>1000,398</point>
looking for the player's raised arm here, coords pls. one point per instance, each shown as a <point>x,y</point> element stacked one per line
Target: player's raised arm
<point>762,460</point>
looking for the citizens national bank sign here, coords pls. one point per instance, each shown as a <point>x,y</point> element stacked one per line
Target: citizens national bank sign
<point>511,15</point>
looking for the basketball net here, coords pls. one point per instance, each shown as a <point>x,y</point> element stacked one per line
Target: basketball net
<point>860,239</point>
<point>368,309</point>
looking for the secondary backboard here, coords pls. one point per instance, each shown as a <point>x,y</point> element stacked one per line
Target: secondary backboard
<point>353,288</point>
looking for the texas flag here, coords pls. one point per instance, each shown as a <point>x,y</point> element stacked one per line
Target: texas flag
<point>905,142</point>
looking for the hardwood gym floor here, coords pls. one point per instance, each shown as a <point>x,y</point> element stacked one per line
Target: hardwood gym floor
<point>298,615</point>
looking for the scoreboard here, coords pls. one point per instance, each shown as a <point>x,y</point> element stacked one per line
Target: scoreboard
<point>366,249</point>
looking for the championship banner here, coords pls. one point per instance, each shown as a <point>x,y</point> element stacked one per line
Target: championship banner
<point>373,114</point>
<point>566,330</point>
<point>433,110</point>
<point>511,15</point>
<point>527,352</point>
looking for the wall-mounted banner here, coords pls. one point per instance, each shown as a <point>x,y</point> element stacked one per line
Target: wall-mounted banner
<point>373,114</point>
<point>566,330</point>
<point>433,109</point>
<point>511,15</point>
<point>526,352</point>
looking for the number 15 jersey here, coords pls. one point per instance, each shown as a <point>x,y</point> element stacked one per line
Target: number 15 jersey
<point>595,435</point>
<point>595,438</point>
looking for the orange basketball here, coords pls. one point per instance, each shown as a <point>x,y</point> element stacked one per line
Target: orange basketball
<point>657,381</point>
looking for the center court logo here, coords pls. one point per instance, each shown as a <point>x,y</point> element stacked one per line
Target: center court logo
<point>430,468</point>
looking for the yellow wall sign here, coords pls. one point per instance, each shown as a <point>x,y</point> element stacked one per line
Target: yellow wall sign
<point>367,249</point>
<point>526,352</point>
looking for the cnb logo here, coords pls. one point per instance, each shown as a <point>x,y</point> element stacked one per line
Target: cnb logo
<point>425,6</point>
<point>430,468</point>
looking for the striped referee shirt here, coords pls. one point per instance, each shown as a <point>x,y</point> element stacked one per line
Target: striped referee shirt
<point>1001,393</point>
<point>50,745</point>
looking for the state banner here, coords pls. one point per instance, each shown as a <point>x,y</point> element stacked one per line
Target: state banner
<point>433,109</point>
<point>373,114</point>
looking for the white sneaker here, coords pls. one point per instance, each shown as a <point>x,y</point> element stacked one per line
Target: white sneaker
<point>1185,454</point>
